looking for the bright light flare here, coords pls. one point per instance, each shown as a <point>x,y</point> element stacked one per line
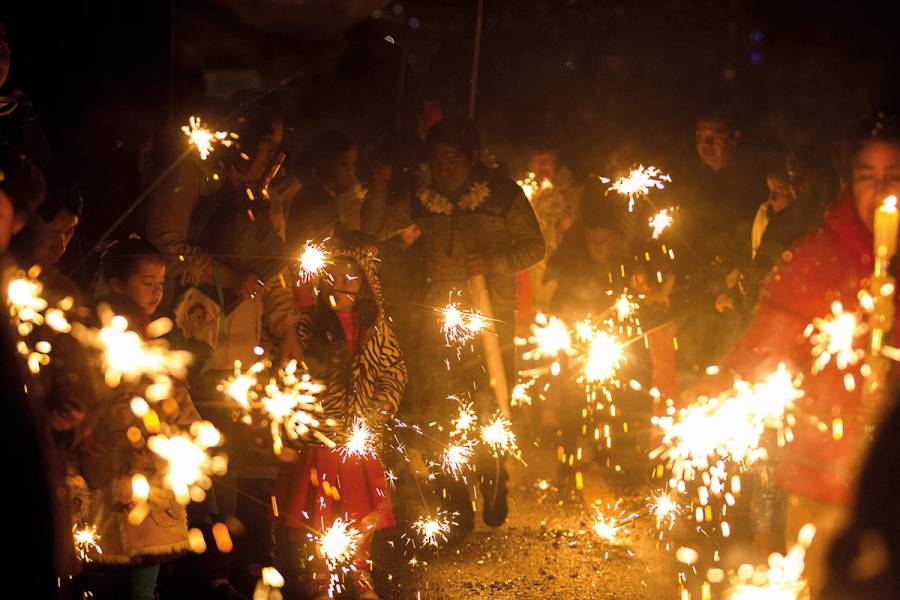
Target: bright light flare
<point>338,543</point>
<point>605,356</point>
<point>189,463</point>
<point>551,338</point>
<point>86,541</point>
<point>639,182</point>
<point>780,579</point>
<point>465,420</point>
<point>665,509</point>
<point>360,441</point>
<point>204,138</point>
<point>313,261</point>
<point>433,530</point>
<point>661,221</point>
<point>498,435</point>
<point>832,338</point>
<point>460,326</point>
<point>456,459</point>
<point>531,186</point>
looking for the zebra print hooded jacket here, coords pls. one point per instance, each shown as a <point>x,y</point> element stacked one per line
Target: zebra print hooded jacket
<point>368,385</point>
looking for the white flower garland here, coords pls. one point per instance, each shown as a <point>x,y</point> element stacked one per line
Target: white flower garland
<point>439,204</point>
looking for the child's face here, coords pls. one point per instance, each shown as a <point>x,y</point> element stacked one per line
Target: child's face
<point>145,286</point>
<point>346,282</point>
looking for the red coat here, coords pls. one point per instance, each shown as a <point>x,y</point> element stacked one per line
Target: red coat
<point>830,263</point>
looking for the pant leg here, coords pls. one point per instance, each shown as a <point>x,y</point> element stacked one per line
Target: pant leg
<point>143,582</point>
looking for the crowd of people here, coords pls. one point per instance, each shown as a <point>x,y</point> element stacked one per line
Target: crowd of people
<point>409,221</point>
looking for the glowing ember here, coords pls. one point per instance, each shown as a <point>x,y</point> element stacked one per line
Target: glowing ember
<point>313,261</point>
<point>832,337</point>
<point>456,459</point>
<point>460,326</point>
<point>499,436</point>
<point>203,138</point>
<point>433,530</point>
<point>660,222</point>
<point>530,185</point>
<point>665,509</point>
<point>360,441</point>
<point>639,182</point>
<point>624,307</point>
<point>781,579</point>
<point>338,543</point>
<point>86,541</point>
<point>604,358</point>
<point>520,395</point>
<point>189,462</point>
<point>728,427</point>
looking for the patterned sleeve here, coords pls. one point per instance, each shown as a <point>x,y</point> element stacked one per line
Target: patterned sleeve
<point>391,377</point>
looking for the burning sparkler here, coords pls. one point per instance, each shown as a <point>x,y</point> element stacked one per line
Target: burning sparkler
<point>606,526</point>
<point>665,508</point>
<point>313,261</point>
<point>499,437</point>
<point>639,182</point>
<point>551,338</point>
<point>781,579</point>
<point>661,221</point>
<point>605,356</point>
<point>456,459</point>
<point>530,185</point>
<point>433,530</point>
<point>189,463</point>
<point>833,336</point>
<point>360,441</point>
<point>204,138</point>
<point>338,544</point>
<point>465,420</point>
<point>460,326</point>
<point>86,541</point>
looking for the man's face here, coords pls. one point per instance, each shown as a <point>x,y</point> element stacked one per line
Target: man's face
<point>55,236</point>
<point>451,167</point>
<point>263,157</point>
<point>714,141</point>
<point>876,175</point>
<point>5,55</point>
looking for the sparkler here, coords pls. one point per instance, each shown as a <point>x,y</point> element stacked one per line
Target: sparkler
<point>530,185</point>
<point>551,337</point>
<point>313,261</point>
<point>460,326</point>
<point>433,530</point>
<point>624,306</point>
<point>833,336</point>
<point>728,427</point>
<point>189,463</point>
<point>639,182</point>
<point>661,221</point>
<point>665,509</point>
<point>456,459</point>
<point>360,441</point>
<point>781,579</point>
<point>338,543</point>
<point>606,526</point>
<point>605,356</point>
<point>465,420</point>
<point>86,541</point>
<point>499,437</point>
<point>205,139</point>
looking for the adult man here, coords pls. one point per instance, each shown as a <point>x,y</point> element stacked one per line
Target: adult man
<point>473,222</point>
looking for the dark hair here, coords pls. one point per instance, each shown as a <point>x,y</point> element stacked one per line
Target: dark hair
<point>63,194</point>
<point>455,132</point>
<point>21,180</point>
<point>124,258</point>
<point>882,125</point>
<point>599,209</point>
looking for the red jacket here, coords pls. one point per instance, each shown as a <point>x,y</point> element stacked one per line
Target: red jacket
<point>830,263</point>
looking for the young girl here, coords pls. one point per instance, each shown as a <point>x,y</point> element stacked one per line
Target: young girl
<point>131,551</point>
<point>349,346</point>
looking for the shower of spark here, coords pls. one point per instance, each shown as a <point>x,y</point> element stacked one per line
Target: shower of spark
<point>360,441</point>
<point>665,509</point>
<point>86,541</point>
<point>456,459</point>
<point>661,221</point>
<point>464,421</point>
<point>639,182</point>
<point>432,531</point>
<point>530,185</point>
<point>832,338</point>
<point>780,579</point>
<point>605,356</point>
<point>338,544</point>
<point>608,527</point>
<point>551,338</point>
<point>460,326</point>
<point>189,463</point>
<point>728,427</point>
<point>624,306</point>
<point>313,261</point>
<point>499,437</point>
<point>204,138</point>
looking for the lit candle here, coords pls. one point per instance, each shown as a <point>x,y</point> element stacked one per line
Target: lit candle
<point>887,220</point>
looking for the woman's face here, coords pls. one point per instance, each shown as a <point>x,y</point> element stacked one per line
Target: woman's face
<point>346,282</point>
<point>876,175</point>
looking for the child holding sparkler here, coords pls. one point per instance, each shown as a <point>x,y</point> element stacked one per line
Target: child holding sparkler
<point>348,344</point>
<point>138,525</point>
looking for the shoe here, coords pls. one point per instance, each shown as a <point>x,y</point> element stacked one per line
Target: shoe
<point>494,492</point>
